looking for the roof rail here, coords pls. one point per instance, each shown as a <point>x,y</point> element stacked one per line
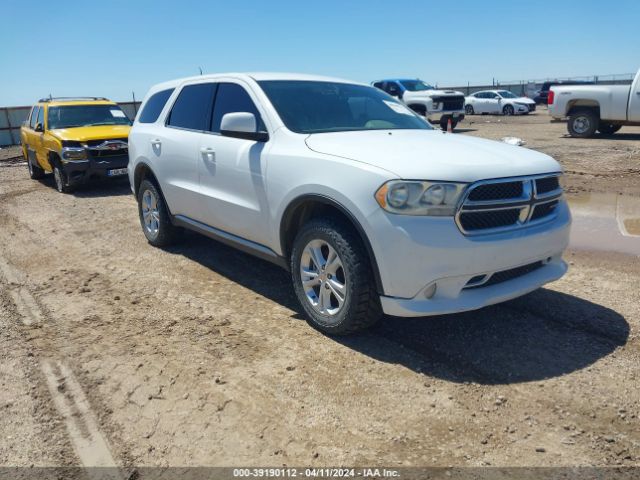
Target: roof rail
<point>50,99</point>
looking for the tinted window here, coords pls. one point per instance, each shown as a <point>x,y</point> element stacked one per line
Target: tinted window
<point>314,107</point>
<point>154,106</point>
<point>34,115</point>
<point>416,85</point>
<point>40,119</point>
<point>232,98</point>
<point>392,87</point>
<point>192,108</point>
<point>69,116</point>
<point>378,85</point>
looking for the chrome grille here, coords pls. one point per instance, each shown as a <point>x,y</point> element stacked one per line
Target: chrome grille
<point>499,205</point>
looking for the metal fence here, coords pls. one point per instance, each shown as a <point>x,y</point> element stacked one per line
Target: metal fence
<point>12,118</point>
<point>530,87</point>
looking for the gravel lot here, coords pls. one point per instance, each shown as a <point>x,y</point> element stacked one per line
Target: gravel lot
<point>197,355</point>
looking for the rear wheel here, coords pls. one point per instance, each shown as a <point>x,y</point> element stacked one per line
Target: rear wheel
<point>332,278</point>
<point>606,128</point>
<point>154,216</point>
<point>508,110</point>
<point>583,123</point>
<point>35,172</point>
<point>468,109</point>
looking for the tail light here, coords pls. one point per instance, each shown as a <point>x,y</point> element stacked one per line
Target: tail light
<point>550,97</point>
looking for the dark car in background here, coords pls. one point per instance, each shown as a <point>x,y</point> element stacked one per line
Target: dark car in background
<point>543,94</point>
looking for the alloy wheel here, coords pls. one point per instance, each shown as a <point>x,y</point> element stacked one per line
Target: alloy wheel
<point>150,212</point>
<point>323,278</point>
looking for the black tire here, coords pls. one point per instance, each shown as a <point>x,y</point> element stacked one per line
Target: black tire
<point>361,306</point>
<point>607,128</point>
<point>60,179</point>
<point>583,123</point>
<point>35,172</point>
<point>469,109</point>
<point>166,233</point>
<point>444,121</point>
<point>508,110</point>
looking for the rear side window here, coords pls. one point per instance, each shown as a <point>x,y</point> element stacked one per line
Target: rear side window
<point>154,106</point>
<point>192,109</point>
<point>34,116</point>
<point>232,98</point>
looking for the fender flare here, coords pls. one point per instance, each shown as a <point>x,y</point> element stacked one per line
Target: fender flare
<point>296,202</point>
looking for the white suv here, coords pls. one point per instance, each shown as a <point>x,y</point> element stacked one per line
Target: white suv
<point>368,207</point>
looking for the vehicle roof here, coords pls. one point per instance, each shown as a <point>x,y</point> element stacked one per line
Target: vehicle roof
<point>257,76</point>
<point>398,80</point>
<point>58,103</point>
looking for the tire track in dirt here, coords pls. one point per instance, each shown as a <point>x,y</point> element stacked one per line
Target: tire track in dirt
<point>88,441</point>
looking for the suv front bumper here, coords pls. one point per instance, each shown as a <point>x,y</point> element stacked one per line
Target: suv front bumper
<point>414,253</point>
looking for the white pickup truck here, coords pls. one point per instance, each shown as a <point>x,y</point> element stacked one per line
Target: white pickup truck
<point>605,108</point>
<point>438,106</point>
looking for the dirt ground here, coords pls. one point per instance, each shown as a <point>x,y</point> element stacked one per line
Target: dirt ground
<point>117,353</point>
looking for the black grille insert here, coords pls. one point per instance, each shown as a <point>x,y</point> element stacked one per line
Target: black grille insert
<point>506,275</point>
<point>452,102</point>
<point>471,221</point>
<point>544,209</point>
<point>547,184</point>
<point>496,191</point>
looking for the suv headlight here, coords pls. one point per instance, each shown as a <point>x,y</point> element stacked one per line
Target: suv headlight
<point>413,197</point>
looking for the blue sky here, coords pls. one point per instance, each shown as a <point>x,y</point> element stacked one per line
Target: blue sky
<point>111,48</point>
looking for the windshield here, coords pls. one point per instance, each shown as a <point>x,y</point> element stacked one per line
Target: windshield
<point>316,107</point>
<point>416,85</point>
<point>70,116</point>
<point>506,94</point>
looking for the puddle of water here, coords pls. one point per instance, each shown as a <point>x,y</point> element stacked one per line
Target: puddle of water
<point>606,222</point>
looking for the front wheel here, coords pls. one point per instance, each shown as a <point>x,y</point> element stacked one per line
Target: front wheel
<point>606,128</point>
<point>468,109</point>
<point>508,110</point>
<point>444,123</point>
<point>583,123</point>
<point>60,178</point>
<point>332,278</point>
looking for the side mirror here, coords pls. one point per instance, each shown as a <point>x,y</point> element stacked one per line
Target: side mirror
<point>39,127</point>
<point>242,125</point>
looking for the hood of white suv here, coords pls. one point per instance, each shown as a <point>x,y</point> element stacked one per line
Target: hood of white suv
<point>433,155</point>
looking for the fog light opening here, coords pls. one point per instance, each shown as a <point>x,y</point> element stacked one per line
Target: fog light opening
<point>430,291</point>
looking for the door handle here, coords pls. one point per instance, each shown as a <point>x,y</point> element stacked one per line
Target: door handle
<point>208,153</point>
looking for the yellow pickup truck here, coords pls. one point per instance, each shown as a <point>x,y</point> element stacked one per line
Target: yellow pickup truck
<point>77,139</point>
